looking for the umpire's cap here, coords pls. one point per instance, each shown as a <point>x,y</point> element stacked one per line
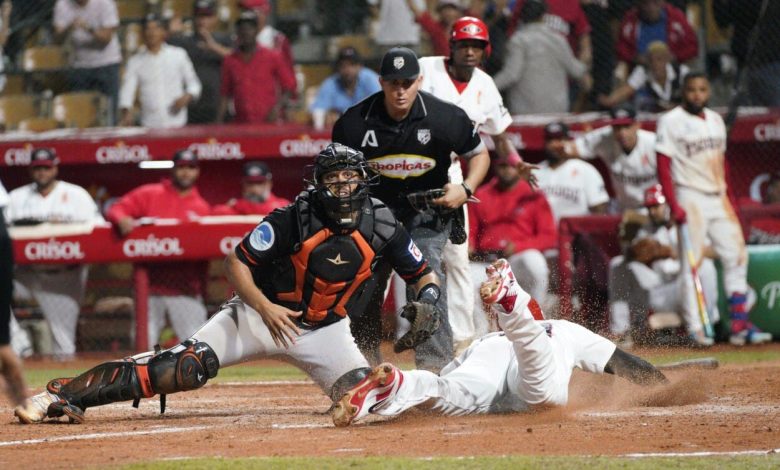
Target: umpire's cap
<point>399,63</point>
<point>43,157</point>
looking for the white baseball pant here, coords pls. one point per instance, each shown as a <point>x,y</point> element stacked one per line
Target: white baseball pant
<point>59,293</point>
<point>529,364</point>
<point>237,334</point>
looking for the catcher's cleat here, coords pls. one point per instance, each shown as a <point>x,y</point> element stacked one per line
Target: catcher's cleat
<point>371,393</point>
<point>35,409</point>
<point>501,287</point>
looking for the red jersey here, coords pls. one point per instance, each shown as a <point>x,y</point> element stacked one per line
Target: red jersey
<point>563,16</point>
<point>680,37</point>
<point>253,84</point>
<point>163,201</point>
<point>519,215</point>
<point>246,207</point>
<point>437,32</point>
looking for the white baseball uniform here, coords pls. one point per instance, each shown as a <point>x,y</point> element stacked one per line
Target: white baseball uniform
<point>485,107</point>
<point>697,146</point>
<point>661,287</point>
<point>572,188</point>
<point>58,289</point>
<point>632,173</point>
<point>529,363</point>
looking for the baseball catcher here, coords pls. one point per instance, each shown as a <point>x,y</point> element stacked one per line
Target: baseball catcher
<point>296,275</point>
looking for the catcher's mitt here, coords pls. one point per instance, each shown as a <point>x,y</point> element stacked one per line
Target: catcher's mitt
<point>425,319</point>
<point>648,250</point>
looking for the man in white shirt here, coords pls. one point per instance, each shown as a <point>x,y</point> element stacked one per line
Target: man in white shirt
<point>573,187</point>
<point>90,26</point>
<point>58,289</point>
<point>627,151</point>
<point>163,77</point>
<point>395,22</point>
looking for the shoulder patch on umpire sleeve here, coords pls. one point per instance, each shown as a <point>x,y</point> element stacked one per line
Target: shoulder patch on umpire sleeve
<point>262,237</point>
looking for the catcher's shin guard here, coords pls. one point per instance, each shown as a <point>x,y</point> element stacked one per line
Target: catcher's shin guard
<point>634,368</point>
<point>185,367</point>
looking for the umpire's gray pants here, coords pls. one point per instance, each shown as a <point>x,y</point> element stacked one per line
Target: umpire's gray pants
<point>430,236</point>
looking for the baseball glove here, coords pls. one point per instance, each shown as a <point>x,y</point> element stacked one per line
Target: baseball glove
<point>425,319</point>
<point>648,250</point>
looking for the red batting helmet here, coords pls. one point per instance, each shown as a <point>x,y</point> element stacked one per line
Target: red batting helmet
<point>469,27</point>
<point>654,196</point>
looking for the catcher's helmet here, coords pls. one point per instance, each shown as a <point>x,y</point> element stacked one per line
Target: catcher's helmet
<point>343,210</point>
<point>654,196</point>
<point>469,27</point>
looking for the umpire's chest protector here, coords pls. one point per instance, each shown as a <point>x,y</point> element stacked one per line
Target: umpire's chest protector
<point>327,273</point>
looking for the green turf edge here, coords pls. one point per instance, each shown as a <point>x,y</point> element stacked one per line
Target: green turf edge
<point>480,463</point>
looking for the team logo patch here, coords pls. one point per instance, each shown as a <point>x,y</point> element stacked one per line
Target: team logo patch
<point>398,62</point>
<point>262,237</point>
<point>424,136</point>
<point>414,251</point>
<point>471,29</point>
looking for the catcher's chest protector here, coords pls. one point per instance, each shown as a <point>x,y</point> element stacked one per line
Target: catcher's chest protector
<point>330,268</point>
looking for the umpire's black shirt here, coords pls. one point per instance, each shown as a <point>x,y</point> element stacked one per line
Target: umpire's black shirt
<point>412,154</point>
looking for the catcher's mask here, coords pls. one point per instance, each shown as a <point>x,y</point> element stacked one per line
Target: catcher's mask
<point>343,209</point>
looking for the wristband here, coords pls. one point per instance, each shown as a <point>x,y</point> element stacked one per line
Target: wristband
<point>514,158</point>
<point>469,192</point>
<point>429,294</point>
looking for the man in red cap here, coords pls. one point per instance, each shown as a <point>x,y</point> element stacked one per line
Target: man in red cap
<point>256,196</point>
<point>58,289</point>
<point>175,287</point>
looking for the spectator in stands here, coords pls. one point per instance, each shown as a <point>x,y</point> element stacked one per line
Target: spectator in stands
<point>655,87</point>
<point>348,86</point>
<point>58,288</point>
<point>762,68</point>
<point>438,30</point>
<point>513,222</point>
<point>268,36</point>
<point>173,287</point>
<point>90,26</point>
<point>650,276</point>
<point>395,23</point>
<point>627,151</point>
<point>256,193</point>
<point>573,187</point>
<point>601,16</point>
<point>163,77</point>
<point>5,26</point>
<point>565,17</point>
<point>654,20</point>
<point>251,76</point>
<point>206,48</point>
<point>538,66</point>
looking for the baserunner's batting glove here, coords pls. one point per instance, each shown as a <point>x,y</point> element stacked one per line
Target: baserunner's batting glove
<point>425,319</point>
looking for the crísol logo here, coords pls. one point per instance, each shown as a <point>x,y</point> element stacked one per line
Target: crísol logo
<point>402,166</point>
<point>228,244</point>
<point>121,153</point>
<point>766,132</point>
<point>214,150</point>
<point>152,246</point>
<point>303,147</point>
<point>16,156</point>
<point>53,250</point>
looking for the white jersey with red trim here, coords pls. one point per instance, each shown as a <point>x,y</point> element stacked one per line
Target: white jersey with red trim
<point>632,173</point>
<point>697,147</point>
<point>572,188</point>
<point>480,99</point>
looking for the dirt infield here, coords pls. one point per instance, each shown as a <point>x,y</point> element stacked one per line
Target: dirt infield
<point>735,408</point>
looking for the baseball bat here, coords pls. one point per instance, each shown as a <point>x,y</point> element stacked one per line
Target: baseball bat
<point>685,239</point>
<point>698,363</point>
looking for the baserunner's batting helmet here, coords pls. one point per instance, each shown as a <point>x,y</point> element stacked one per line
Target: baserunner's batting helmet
<point>469,27</point>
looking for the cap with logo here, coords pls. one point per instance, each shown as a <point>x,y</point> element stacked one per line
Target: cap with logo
<point>185,157</point>
<point>205,8</point>
<point>399,63</point>
<point>44,157</point>
<point>348,53</point>
<point>261,5</point>
<point>247,16</point>
<point>622,115</point>
<point>556,130</point>
<point>257,172</point>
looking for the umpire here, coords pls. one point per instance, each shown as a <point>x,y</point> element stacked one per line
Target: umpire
<point>409,137</point>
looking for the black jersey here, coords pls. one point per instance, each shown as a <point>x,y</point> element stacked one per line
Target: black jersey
<point>413,154</point>
<point>298,261</point>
